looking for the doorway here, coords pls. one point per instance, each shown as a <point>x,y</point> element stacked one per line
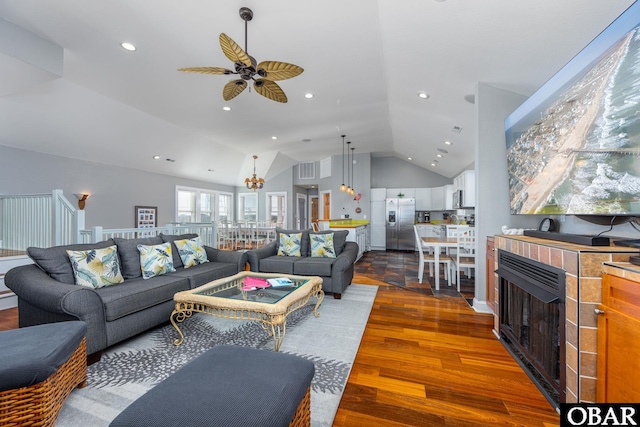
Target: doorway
<point>325,204</point>
<point>301,210</point>
<point>313,208</point>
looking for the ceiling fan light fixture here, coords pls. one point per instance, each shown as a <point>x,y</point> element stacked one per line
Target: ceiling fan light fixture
<point>448,143</point>
<point>264,74</point>
<point>424,95</point>
<point>225,108</point>
<point>308,95</point>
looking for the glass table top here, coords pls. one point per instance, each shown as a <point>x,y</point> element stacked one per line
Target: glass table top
<point>246,290</point>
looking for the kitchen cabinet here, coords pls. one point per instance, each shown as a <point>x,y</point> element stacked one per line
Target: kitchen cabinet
<point>423,199</point>
<point>408,192</point>
<point>378,194</point>
<point>618,361</point>
<point>358,234</point>
<point>377,225</point>
<point>491,277</point>
<point>448,197</point>
<point>466,182</point>
<point>437,199</point>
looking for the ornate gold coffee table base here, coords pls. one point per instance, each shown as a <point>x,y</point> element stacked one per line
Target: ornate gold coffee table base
<point>224,298</point>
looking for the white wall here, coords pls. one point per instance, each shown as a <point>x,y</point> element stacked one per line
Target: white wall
<point>492,187</point>
<point>114,190</point>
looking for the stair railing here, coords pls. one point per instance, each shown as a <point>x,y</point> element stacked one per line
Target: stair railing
<point>42,220</point>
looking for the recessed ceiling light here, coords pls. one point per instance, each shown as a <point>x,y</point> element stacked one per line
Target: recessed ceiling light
<point>434,165</point>
<point>442,150</point>
<point>439,155</point>
<point>128,46</point>
<point>274,137</point>
<point>308,95</point>
<point>156,157</point>
<point>423,95</point>
<point>226,108</point>
<point>448,143</point>
<point>409,158</point>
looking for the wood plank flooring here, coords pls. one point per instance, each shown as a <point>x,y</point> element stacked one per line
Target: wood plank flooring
<point>426,359</point>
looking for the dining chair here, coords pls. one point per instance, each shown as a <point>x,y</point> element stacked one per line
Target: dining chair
<point>430,259</point>
<point>465,257</point>
<point>254,238</point>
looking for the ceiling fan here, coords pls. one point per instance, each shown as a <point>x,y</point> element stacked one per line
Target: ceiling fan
<point>264,74</point>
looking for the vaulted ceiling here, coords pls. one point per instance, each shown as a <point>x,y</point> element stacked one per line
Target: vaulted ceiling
<point>365,62</point>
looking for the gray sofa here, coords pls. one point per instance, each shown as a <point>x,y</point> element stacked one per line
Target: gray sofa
<point>336,273</point>
<point>47,291</point>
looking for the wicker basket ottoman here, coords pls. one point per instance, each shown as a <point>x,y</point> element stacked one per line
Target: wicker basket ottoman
<point>228,386</point>
<point>39,367</point>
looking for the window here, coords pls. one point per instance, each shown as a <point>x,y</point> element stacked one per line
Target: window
<point>277,208</point>
<point>198,205</point>
<point>248,206</point>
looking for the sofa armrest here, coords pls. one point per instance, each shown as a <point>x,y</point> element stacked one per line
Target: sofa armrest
<point>346,258</point>
<point>234,257</point>
<point>35,287</point>
<point>255,255</point>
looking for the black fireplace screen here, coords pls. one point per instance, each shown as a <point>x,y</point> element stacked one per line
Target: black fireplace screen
<point>532,320</point>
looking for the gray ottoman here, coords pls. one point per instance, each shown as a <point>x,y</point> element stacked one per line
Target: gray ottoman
<point>228,386</point>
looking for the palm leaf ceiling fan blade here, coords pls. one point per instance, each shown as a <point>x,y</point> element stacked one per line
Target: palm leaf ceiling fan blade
<point>270,89</point>
<point>233,89</point>
<point>233,51</point>
<point>263,75</point>
<point>276,70</point>
<point>207,70</point>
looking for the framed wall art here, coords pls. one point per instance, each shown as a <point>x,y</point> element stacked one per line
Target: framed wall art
<point>146,217</point>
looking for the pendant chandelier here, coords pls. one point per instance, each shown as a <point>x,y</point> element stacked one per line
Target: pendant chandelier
<point>343,187</point>
<point>254,183</point>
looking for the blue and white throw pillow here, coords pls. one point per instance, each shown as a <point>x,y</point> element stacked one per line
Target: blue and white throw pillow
<point>96,268</point>
<point>155,260</point>
<point>322,245</point>
<point>289,244</point>
<point>191,252</point>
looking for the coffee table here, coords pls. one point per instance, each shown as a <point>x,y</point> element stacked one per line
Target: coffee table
<point>270,306</point>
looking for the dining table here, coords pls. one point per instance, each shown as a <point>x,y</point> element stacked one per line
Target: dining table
<point>438,243</point>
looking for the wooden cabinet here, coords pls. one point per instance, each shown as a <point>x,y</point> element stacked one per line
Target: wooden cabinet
<point>491,278</point>
<point>618,366</point>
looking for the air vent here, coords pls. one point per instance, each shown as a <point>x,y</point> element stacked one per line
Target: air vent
<point>456,129</point>
<point>307,170</point>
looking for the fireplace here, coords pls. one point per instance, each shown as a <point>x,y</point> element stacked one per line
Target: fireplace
<point>532,320</point>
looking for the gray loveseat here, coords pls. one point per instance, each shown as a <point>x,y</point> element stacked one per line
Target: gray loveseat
<point>336,273</point>
<point>47,291</point>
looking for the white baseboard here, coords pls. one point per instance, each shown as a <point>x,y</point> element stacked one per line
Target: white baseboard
<point>8,301</point>
<point>481,307</point>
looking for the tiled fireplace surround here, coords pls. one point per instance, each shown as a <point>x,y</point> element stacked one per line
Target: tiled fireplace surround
<point>583,266</point>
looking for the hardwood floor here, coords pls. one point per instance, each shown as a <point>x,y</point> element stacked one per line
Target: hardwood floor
<point>426,359</point>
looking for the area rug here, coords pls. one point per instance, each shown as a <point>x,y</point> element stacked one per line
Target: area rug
<point>128,370</point>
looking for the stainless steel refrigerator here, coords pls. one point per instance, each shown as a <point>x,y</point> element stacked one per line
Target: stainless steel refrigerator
<point>400,218</point>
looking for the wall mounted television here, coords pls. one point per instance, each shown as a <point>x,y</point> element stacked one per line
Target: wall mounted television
<point>573,147</point>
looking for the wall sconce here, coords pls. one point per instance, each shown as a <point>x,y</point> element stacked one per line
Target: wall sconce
<point>81,199</point>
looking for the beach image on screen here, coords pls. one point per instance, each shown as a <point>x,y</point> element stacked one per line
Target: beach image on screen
<point>578,152</point>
